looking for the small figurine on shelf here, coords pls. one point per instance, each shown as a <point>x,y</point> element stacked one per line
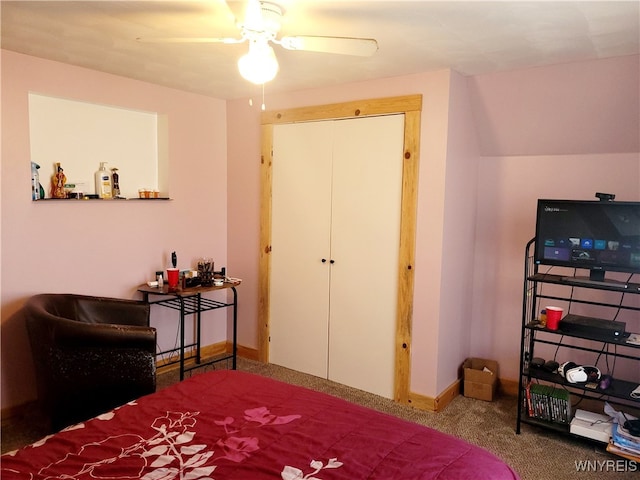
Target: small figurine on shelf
<point>115,178</point>
<point>57,182</point>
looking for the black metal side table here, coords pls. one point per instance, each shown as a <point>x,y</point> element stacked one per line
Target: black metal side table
<point>190,301</point>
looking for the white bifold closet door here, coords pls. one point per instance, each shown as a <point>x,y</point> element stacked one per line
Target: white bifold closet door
<point>336,199</point>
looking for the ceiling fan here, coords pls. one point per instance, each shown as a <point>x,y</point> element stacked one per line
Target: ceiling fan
<point>260,27</point>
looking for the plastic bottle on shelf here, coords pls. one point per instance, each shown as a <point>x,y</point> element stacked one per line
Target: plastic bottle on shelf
<point>543,318</point>
<point>35,181</point>
<point>103,182</point>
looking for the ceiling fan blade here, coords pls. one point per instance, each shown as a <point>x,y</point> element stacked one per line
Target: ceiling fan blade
<point>362,47</point>
<point>189,40</point>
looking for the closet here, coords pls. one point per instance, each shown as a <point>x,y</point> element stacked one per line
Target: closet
<point>335,242</point>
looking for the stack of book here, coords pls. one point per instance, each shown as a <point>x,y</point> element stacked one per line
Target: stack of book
<point>548,403</point>
<point>624,444</point>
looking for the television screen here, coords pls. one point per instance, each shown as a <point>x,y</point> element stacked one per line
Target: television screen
<point>596,235</point>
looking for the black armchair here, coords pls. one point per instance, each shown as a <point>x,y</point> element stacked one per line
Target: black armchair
<point>91,354</point>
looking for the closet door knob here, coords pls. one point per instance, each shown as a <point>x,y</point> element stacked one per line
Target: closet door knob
<point>332,261</point>
<point>324,260</point>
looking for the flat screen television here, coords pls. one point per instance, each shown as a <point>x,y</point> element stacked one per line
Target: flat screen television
<point>596,235</point>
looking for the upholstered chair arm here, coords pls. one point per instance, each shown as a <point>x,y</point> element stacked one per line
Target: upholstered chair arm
<point>111,310</point>
<point>69,334</point>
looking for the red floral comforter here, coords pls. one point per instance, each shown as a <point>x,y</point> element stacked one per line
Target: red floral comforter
<point>235,425</point>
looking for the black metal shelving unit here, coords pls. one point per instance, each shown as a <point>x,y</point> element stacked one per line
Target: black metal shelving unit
<point>532,334</point>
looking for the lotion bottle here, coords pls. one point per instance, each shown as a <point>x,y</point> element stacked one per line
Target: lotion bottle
<point>103,182</point>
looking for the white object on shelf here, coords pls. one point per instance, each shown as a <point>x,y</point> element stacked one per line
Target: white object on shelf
<point>634,339</point>
<point>103,182</point>
<point>591,425</point>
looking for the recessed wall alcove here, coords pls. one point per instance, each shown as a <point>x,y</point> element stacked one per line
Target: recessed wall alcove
<point>80,135</point>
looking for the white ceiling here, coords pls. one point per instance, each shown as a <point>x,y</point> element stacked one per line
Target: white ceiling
<point>471,37</point>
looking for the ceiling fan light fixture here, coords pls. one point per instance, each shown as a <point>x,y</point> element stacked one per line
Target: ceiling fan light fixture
<point>259,65</point>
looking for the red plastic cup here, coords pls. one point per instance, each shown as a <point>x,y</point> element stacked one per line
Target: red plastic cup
<point>173,275</point>
<point>554,315</point>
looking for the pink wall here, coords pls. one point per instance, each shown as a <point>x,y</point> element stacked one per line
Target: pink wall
<point>576,108</point>
<point>103,248</point>
<point>454,334</point>
<point>243,143</point>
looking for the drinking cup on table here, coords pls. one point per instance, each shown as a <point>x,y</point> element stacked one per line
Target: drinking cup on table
<point>173,275</point>
<point>554,315</point>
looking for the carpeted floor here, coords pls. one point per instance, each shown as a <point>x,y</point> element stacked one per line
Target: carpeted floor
<point>535,454</point>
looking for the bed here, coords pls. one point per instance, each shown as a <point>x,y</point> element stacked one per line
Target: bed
<point>236,425</point>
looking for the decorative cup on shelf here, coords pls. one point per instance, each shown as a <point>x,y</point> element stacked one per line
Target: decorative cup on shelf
<point>173,277</point>
<point>205,271</point>
<point>554,315</point>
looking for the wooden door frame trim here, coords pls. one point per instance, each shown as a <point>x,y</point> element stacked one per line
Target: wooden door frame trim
<point>411,107</point>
